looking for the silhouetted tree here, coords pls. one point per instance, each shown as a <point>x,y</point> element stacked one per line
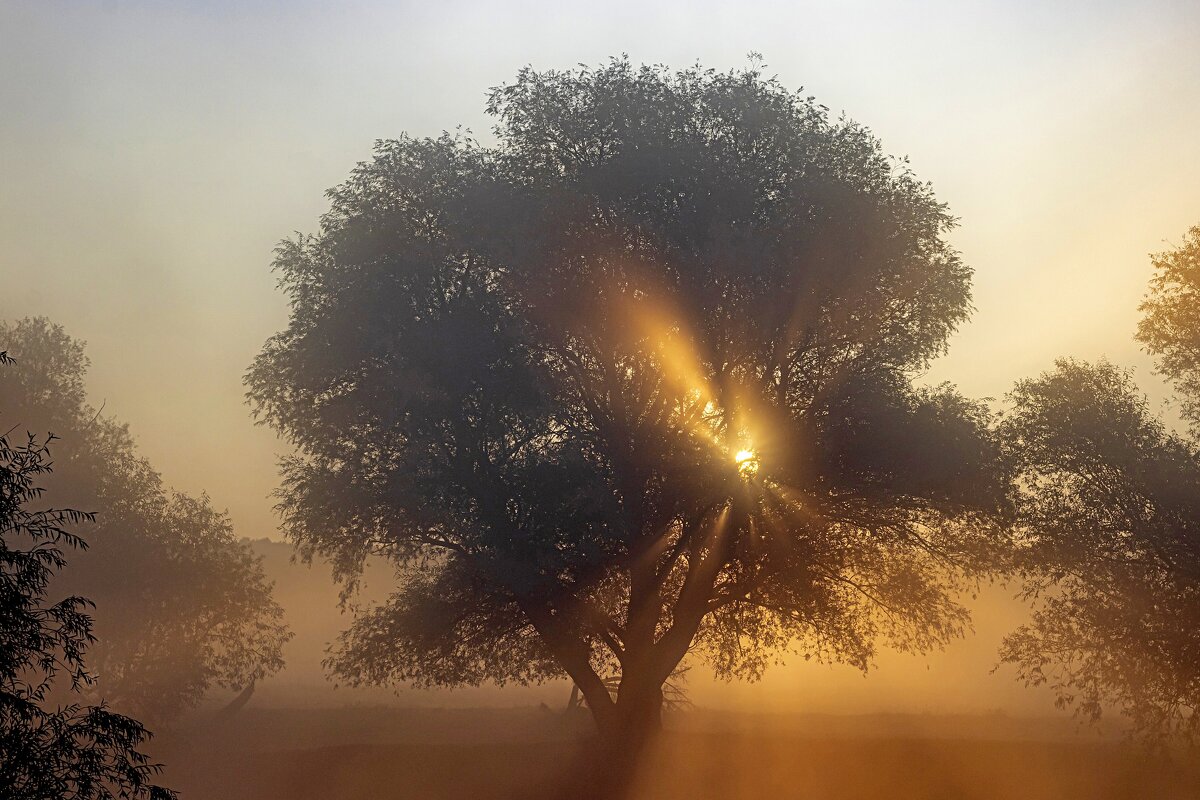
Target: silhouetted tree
<point>1108,510</point>
<point>1108,517</point>
<point>1170,327</point>
<point>183,605</point>
<point>631,384</point>
<point>76,751</point>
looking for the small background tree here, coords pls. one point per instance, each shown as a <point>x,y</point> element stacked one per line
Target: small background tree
<point>1107,502</point>
<point>76,751</point>
<point>632,384</point>
<point>1108,515</point>
<point>182,604</point>
<point>1170,325</point>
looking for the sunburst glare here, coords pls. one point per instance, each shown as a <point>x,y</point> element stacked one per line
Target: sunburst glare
<point>747,462</point>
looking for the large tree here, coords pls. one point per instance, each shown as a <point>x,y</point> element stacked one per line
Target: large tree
<point>183,605</point>
<point>47,750</point>
<point>630,384</point>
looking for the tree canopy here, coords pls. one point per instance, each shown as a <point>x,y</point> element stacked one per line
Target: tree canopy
<point>1107,504</point>
<point>77,751</point>
<point>1170,325</point>
<point>632,383</point>
<point>182,604</point>
<point>1108,517</point>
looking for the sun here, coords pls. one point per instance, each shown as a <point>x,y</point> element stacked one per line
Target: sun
<point>747,463</point>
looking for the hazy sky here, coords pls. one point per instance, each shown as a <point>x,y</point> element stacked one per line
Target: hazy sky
<point>153,153</point>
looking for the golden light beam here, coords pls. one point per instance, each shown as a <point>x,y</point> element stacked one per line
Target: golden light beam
<point>747,463</point>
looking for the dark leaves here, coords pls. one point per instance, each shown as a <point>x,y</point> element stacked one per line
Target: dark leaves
<point>521,373</point>
<point>84,752</point>
<point>1107,508</point>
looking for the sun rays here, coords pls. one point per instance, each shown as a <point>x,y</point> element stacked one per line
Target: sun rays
<point>747,463</point>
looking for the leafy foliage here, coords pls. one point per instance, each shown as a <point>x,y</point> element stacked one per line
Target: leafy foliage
<point>75,751</point>
<point>182,604</point>
<point>522,372</point>
<point>1108,514</point>
<point>1170,327</point>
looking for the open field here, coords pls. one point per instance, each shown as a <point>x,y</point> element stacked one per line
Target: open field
<point>331,754</point>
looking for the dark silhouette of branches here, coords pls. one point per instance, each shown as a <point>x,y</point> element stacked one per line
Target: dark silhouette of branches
<point>1108,514</point>
<point>634,385</point>
<point>49,752</point>
<point>1107,504</point>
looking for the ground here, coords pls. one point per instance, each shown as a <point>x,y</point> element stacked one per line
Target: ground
<point>461,754</point>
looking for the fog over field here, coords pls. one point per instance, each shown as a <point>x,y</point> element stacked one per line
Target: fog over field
<point>466,391</point>
<point>957,681</point>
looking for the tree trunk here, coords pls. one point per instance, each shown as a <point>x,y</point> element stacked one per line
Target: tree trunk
<point>236,704</point>
<point>573,701</point>
<point>625,737</point>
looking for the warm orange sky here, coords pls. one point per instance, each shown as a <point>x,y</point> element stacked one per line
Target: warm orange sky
<point>153,153</point>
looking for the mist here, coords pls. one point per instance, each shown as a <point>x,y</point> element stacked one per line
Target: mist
<point>156,155</point>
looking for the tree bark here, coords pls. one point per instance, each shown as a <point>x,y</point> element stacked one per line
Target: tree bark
<point>624,739</point>
<point>573,702</point>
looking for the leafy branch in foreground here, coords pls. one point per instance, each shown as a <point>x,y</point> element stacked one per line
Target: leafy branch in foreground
<point>74,751</point>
